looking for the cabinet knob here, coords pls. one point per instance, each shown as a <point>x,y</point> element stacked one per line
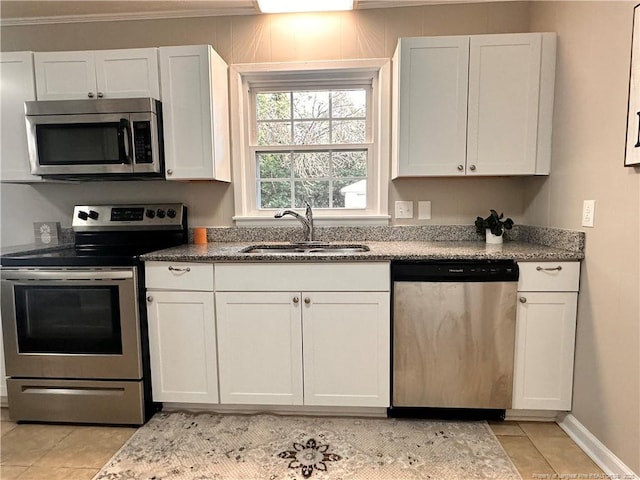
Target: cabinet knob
<point>472,168</point>
<point>90,95</point>
<point>296,300</point>
<point>100,94</point>
<point>307,300</point>
<point>460,167</point>
<point>523,299</point>
<point>149,299</point>
<point>169,172</point>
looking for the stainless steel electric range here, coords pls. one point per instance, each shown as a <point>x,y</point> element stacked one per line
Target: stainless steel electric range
<point>74,319</point>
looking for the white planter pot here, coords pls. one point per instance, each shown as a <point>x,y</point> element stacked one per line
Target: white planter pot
<point>493,239</point>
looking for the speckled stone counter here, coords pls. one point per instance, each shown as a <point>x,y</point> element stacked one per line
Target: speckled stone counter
<point>523,243</point>
<point>379,251</point>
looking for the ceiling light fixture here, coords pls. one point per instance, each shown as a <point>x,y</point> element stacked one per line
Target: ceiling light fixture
<point>290,6</point>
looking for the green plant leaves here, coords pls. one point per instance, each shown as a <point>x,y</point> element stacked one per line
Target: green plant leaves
<point>494,223</point>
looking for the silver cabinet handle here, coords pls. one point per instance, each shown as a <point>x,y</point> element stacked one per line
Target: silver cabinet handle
<point>472,168</point>
<point>149,299</point>
<point>169,172</point>
<point>90,95</point>
<point>460,167</point>
<point>176,269</point>
<point>307,300</point>
<point>100,94</point>
<point>296,300</point>
<point>523,299</point>
<point>548,269</point>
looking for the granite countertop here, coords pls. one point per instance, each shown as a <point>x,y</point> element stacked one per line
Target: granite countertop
<point>452,242</point>
<point>379,251</point>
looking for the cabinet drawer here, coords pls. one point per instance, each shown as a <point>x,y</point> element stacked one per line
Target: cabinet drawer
<point>179,276</point>
<point>549,276</point>
<point>261,277</point>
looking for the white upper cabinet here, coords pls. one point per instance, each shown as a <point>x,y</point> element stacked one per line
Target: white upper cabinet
<point>17,86</point>
<point>473,105</point>
<point>126,73</point>
<point>196,113</point>
<point>430,105</point>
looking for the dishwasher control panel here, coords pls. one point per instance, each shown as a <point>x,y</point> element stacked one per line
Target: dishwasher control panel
<point>455,271</point>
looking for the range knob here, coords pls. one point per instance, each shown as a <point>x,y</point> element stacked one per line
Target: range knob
<point>93,214</point>
<point>83,215</point>
<point>171,213</point>
<point>160,213</point>
<point>150,213</point>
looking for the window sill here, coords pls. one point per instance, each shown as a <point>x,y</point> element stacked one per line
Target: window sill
<point>319,221</point>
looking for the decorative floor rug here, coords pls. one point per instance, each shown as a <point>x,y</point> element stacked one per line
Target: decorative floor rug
<point>189,446</point>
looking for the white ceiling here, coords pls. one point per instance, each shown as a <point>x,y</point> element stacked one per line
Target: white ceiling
<point>21,12</point>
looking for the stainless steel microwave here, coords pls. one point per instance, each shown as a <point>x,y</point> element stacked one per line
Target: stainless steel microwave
<point>103,139</point>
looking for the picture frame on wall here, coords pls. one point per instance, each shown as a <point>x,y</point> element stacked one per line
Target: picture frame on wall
<point>632,152</point>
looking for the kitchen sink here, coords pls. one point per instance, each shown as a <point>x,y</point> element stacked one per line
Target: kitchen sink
<point>309,248</point>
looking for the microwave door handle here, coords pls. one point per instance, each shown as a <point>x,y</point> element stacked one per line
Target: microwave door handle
<point>124,141</point>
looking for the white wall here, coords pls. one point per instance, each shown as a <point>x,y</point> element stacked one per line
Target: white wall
<point>592,79</point>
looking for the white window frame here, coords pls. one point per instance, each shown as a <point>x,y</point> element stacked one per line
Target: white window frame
<point>245,76</point>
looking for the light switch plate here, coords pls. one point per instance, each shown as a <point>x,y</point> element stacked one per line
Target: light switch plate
<point>424,210</point>
<point>588,213</point>
<point>404,209</point>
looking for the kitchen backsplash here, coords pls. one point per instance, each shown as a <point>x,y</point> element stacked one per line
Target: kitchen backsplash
<point>554,237</point>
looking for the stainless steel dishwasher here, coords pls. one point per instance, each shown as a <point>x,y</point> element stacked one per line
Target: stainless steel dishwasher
<point>453,336</point>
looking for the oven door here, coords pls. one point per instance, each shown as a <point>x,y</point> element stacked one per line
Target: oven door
<point>85,144</point>
<point>71,323</point>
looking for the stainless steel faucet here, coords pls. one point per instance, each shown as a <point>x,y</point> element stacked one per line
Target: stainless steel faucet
<point>306,220</point>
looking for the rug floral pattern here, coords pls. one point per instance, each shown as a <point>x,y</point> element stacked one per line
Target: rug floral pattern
<point>189,446</point>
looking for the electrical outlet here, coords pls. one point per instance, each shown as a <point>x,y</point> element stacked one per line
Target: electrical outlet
<point>404,209</point>
<point>424,210</point>
<point>588,213</point>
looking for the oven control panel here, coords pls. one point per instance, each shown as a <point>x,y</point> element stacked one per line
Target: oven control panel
<point>156,216</point>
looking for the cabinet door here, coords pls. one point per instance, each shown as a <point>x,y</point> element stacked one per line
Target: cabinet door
<point>127,73</point>
<point>194,92</point>
<point>545,338</point>
<point>346,348</point>
<point>430,103</point>
<point>504,89</point>
<point>260,347</point>
<point>17,86</point>
<point>182,344</point>
<point>65,75</point>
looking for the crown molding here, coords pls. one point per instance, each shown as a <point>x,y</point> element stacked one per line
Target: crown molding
<point>117,17</point>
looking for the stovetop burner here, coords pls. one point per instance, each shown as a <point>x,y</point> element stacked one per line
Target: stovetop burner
<point>112,236</point>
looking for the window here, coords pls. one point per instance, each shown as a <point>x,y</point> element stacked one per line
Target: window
<point>310,132</point>
<point>311,145</point>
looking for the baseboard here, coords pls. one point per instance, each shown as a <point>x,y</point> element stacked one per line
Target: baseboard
<point>279,409</point>
<point>595,449</point>
<point>531,415</point>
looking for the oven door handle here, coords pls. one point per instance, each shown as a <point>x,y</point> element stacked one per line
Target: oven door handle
<point>66,275</point>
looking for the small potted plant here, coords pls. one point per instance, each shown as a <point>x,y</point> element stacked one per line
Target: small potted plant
<point>493,226</point>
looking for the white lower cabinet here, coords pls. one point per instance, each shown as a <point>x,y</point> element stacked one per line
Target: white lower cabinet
<point>328,346</point>
<point>346,348</point>
<point>545,336</point>
<point>260,347</point>
<point>182,333</point>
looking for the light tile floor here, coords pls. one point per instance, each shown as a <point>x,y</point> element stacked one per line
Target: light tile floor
<point>61,452</point>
